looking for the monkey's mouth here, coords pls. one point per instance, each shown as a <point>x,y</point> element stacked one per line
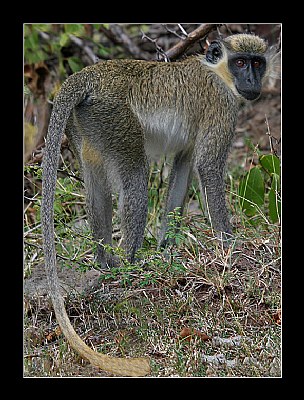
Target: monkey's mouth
<point>249,94</point>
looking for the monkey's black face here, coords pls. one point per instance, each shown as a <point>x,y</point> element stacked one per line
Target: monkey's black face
<point>248,70</point>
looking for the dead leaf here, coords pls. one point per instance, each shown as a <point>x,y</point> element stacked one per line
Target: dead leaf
<point>49,337</point>
<point>54,334</point>
<point>188,333</point>
<point>120,337</point>
<point>58,331</point>
<point>37,75</point>
<point>277,317</point>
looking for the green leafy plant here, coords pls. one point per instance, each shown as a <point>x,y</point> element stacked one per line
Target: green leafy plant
<point>36,49</point>
<point>175,231</point>
<point>46,41</point>
<point>259,190</point>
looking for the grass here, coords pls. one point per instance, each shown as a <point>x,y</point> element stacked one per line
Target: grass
<point>231,295</point>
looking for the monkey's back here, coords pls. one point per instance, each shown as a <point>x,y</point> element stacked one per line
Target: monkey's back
<point>166,103</point>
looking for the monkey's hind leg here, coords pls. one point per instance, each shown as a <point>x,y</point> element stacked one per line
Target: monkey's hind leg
<point>133,204</point>
<point>179,179</point>
<point>99,208</point>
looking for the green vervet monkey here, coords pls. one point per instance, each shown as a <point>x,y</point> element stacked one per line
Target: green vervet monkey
<point>119,113</point>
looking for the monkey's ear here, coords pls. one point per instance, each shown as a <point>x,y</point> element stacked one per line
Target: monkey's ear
<point>214,52</point>
<point>273,57</point>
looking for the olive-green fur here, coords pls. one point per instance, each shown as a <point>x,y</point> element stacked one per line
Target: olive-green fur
<point>246,43</point>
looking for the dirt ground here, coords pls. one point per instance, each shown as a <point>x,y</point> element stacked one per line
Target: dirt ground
<point>70,279</point>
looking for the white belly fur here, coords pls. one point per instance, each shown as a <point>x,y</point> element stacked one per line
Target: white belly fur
<point>165,132</point>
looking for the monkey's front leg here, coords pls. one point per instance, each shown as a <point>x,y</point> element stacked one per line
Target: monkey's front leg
<point>213,194</point>
<point>210,168</point>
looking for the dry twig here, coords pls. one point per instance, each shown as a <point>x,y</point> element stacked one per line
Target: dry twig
<point>118,36</point>
<point>193,37</point>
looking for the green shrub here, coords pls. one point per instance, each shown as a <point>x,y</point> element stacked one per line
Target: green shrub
<point>259,190</point>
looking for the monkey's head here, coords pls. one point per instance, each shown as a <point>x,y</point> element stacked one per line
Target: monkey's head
<point>242,61</point>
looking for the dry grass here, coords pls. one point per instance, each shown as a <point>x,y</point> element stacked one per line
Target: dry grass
<point>233,296</point>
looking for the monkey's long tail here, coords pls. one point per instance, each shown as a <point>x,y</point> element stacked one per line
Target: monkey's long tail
<point>66,99</point>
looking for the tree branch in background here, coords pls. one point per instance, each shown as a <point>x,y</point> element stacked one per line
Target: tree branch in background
<point>159,50</point>
<point>118,36</point>
<point>87,50</point>
<point>193,37</point>
<point>184,33</point>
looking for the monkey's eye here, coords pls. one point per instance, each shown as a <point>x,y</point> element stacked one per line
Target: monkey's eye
<point>256,64</point>
<point>240,62</point>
